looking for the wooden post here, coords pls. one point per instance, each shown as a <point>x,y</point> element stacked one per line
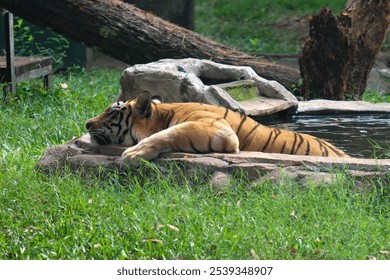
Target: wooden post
<point>10,56</point>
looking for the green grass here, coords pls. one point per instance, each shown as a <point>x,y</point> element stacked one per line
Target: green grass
<point>100,216</point>
<point>249,25</point>
<point>106,216</point>
<point>375,97</point>
<point>243,93</point>
<point>70,217</point>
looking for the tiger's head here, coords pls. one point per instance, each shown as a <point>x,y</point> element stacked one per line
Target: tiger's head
<point>123,123</point>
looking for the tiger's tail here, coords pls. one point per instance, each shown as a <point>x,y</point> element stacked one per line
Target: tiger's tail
<point>290,142</point>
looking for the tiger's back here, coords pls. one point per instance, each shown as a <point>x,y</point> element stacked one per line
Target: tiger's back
<point>252,135</point>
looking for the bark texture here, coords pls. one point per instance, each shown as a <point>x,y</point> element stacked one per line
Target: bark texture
<point>337,57</point>
<point>129,34</point>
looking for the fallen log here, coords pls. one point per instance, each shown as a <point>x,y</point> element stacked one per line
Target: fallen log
<point>134,36</point>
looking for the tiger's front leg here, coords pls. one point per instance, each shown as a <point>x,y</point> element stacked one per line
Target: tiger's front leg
<point>193,137</point>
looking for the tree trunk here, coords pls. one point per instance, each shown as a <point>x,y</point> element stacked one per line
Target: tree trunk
<point>337,58</point>
<point>129,34</point>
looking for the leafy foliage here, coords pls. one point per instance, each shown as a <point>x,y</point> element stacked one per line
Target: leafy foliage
<point>30,41</point>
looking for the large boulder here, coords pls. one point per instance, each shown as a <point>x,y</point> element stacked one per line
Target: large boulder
<point>195,80</point>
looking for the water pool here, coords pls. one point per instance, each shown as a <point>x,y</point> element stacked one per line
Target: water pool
<point>355,134</point>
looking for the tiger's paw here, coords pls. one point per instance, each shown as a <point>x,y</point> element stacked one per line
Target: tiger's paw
<point>132,160</point>
<point>133,157</point>
<point>127,163</point>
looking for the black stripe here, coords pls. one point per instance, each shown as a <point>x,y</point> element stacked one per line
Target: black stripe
<point>307,147</point>
<point>277,133</point>
<point>102,139</point>
<point>293,146</point>
<point>121,114</point>
<point>284,145</point>
<point>167,119</point>
<point>119,129</point>
<point>128,118</point>
<point>122,137</point>
<point>322,148</point>
<point>129,127</point>
<point>241,123</point>
<point>135,141</point>
<point>337,152</point>
<point>324,145</point>
<point>300,142</point>
<point>248,140</point>
<point>226,113</point>
<point>269,139</point>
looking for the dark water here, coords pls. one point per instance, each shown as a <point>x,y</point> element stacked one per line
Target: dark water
<point>354,134</point>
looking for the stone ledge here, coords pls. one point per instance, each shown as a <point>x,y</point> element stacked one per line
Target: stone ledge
<point>256,165</point>
<point>323,107</point>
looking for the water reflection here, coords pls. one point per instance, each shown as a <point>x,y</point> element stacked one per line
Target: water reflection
<point>354,134</point>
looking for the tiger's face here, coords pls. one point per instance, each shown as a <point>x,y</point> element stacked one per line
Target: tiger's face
<point>111,126</point>
<point>123,123</point>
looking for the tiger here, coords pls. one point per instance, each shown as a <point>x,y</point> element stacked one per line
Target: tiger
<point>147,127</point>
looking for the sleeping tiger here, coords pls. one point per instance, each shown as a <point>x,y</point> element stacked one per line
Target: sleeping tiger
<point>149,128</point>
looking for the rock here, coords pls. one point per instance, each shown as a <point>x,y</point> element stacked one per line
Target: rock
<point>76,155</point>
<point>56,157</point>
<point>322,107</point>
<point>292,174</point>
<point>195,80</point>
<point>380,73</point>
<point>220,181</point>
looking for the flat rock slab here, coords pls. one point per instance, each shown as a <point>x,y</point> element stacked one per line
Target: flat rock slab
<point>322,107</point>
<point>265,106</point>
<point>77,155</point>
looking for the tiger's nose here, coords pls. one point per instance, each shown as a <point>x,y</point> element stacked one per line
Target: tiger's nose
<point>88,124</point>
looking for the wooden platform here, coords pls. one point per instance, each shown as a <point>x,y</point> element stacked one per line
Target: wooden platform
<point>16,69</point>
<point>28,68</point>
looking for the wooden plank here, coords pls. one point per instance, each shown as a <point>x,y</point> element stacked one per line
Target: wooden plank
<point>34,73</point>
<point>26,68</point>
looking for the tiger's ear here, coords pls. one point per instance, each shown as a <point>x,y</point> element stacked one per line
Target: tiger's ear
<point>143,105</point>
<point>157,99</point>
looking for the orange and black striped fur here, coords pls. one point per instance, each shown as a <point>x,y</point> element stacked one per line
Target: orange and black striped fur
<point>149,127</point>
